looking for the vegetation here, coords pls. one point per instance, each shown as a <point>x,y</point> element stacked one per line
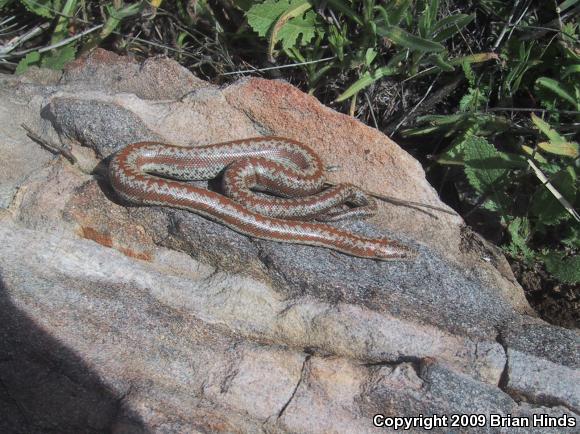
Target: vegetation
<point>486,93</point>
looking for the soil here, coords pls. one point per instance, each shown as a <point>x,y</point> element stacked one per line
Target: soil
<point>555,302</point>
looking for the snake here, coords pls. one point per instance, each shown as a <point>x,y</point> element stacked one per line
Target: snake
<point>273,188</point>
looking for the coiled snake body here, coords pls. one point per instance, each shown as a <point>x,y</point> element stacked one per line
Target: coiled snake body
<point>253,167</point>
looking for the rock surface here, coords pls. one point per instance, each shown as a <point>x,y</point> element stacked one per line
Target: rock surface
<point>130,319</point>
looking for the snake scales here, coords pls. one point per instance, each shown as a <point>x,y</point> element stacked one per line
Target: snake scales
<point>274,189</point>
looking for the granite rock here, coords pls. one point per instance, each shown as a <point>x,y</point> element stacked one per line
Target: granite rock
<point>147,319</point>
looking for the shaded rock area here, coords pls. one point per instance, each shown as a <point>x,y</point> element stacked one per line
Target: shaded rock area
<point>125,319</point>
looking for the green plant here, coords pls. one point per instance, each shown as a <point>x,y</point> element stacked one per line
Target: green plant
<point>64,45</point>
<point>59,53</point>
<point>368,39</point>
<point>525,171</point>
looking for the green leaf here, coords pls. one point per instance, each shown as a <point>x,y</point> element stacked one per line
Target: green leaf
<point>452,21</point>
<point>572,69</point>
<point>365,80</point>
<point>396,11</point>
<point>370,55</point>
<point>423,25</point>
<point>61,29</point>
<point>442,119</point>
<point>31,59</point>
<point>566,5</point>
<point>420,131</point>
<point>433,11</point>
<point>444,30</point>
<point>469,74</point>
<point>572,237</point>
<point>299,29</point>
<point>546,207</point>
<point>427,17</point>
<point>438,124</point>
<point>343,7</point>
<point>536,155</point>
<point>565,149</point>
<point>490,125</point>
<point>317,76</point>
<point>519,230</point>
<point>395,61</point>
<point>519,67</point>
<point>500,160</point>
<point>474,58</point>
<point>438,60</point>
<point>557,88</point>
<point>115,16</point>
<point>569,35</point>
<point>407,40</point>
<point>283,20</point>
<point>547,130</point>
<point>43,8</point>
<point>291,25</point>
<point>59,57</point>
<point>566,270</point>
<point>337,42</point>
<point>472,100</point>
<point>482,173</point>
<point>180,42</point>
<point>383,14</point>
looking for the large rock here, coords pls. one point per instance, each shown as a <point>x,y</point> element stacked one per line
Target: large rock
<point>132,319</point>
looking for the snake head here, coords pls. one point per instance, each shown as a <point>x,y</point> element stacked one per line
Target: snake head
<point>389,250</point>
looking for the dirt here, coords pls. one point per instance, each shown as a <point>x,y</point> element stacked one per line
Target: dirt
<point>555,302</point>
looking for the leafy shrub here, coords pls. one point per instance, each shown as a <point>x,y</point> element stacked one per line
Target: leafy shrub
<point>524,170</point>
<point>373,39</point>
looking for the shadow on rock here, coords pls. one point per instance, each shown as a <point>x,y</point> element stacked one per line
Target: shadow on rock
<point>46,388</point>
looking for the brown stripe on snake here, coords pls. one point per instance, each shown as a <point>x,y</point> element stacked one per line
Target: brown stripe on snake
<point>253,167</point>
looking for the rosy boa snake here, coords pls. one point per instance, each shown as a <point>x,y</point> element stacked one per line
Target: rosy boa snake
<point>288,169</point>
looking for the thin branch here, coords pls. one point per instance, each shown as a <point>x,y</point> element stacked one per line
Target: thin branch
<point>80,35</point>
<point>545,182</point>
<point>155,44</point>
<point>19,40</point>
<point>424,71</point>
<point>55,149</point>
<point>7,20</point>
<point>416,106</point>
<point>506,26</point>
<point>58,44</point>
<point>542,30</point>
<point>522,15</point>
<point>326,59</point>
<point>371,110</point>
<point>531,110</point>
